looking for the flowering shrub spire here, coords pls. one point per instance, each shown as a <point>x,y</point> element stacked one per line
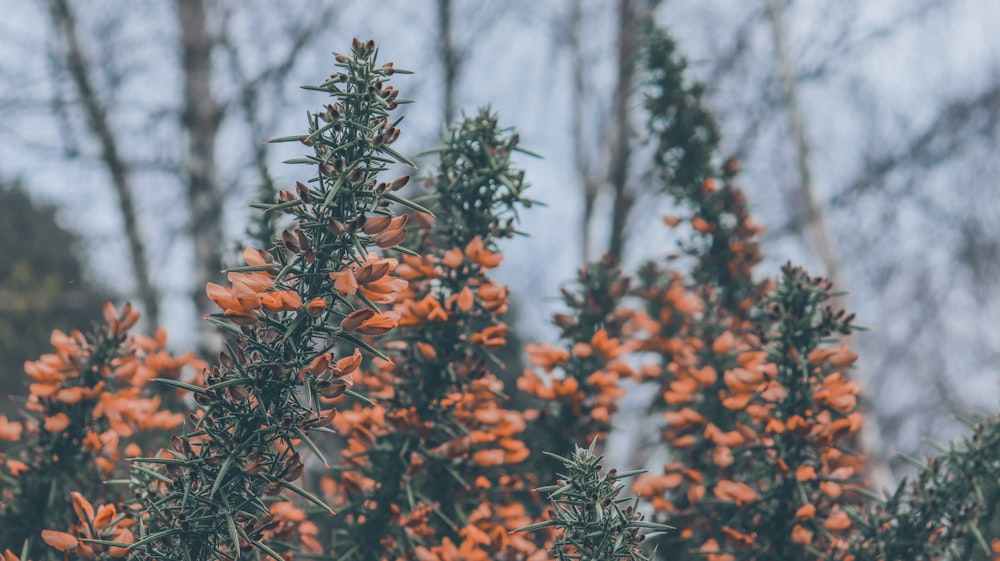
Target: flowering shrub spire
<point>89,406</point>
<point>588,512</point>
<point>948,511</point>
<point>578,384</point>
<point>756,412</point>
<point>206,498</point>
<point>421,468</point>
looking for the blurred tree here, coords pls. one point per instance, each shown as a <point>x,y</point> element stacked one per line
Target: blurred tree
<point>95,108</point>
<point>42,285</point>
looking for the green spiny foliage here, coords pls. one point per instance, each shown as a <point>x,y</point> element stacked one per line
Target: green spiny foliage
<point>589,513</point>
<point>259,404</point>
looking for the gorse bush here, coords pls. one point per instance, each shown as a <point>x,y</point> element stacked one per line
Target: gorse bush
<point>356,412</point>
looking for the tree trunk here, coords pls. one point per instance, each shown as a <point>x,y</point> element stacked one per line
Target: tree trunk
<point>584,168</point>
<point>200,121</point>
<point>871,437</point>
<point>449,59</point>
<point>621,141</point>
<point>97,120</point>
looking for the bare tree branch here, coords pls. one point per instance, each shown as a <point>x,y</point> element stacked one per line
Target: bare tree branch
<point>815,213</point>
<point>958,123</point>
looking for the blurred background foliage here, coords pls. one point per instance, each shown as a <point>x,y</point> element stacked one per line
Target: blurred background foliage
<point>43,285</point>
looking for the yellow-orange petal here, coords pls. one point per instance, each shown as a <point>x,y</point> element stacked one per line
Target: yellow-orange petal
<point>344,282</point>
<point>57,422</point>
<point>60,540</point>
<point>10,430</point>
<point>453,258</point>
<point>82,507</point>
<point>837,521</point>
<point>426,350</point>
<point>805,473</point>
<point>16,467</point>
<point>801,535</point>
<point>125,536</point>
<point>487,458</point>
<point>465,299</point>
<point>105,514</point>
<point>316,306</point>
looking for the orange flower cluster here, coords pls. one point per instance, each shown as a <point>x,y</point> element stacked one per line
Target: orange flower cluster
<point>91,399</point>
<point>424,468</point>
<point>436,395</point>
<point>103,524</point>
<point>592,399</point>
<point>578,384</point>
<point>753,421</point>
<point>253,292</point>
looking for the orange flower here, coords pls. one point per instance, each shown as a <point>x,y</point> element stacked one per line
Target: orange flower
<point>387,231</point>
<point>237,303</point>
<point>476,251</point>
<point>805,473</point>
<point>801,535</point>
<point>120,321</point>
<point>582,350</point>
<point>464,300</point>
<point>711,550</point>
<point>837,521</point>
<point>60,540</point>
<point>375,281</point>
<point>610,347</point>
<point>9,430</point>
<point>546,356</point>
<point>722,456</point>
<point>830,489</point>
<point>453,258</point>
<point>699,224</point>
<point>82,507</point>
<point>730,438</point>
<point>739,492</point>
<point>423,266</point>
<point>487,458</point>
<point>347,365</point>
<point>105,515</point>
<point>493,297</point>
<point>648,486</point>
<point>124,536</point>
<point>839,393</point>
<point>344,282</point>
<point>57,422</point>
<point>806,512</point>
<point>280,301</point>
<point>369,322</point>
<point>492,337</point>
<point>316,306</point>
<point>723,343</point>
<point>683,418</point>
<point>841,357</point>
<point>16,467</point>
<point>415,313</point>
